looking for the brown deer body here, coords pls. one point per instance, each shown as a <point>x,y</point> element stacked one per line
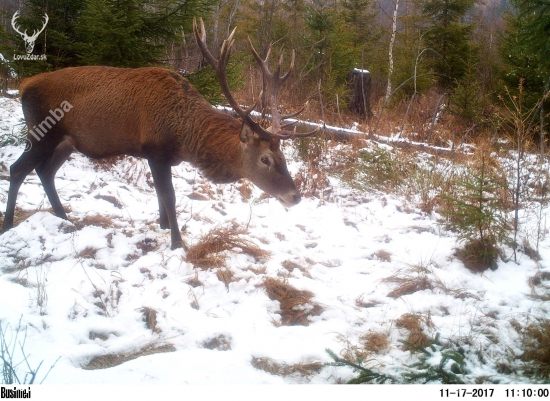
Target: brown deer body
<point>151,113</point>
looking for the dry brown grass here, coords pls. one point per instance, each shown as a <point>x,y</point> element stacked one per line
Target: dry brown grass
<point>416,279</point>
<point>312,178</point>
<point>412,323</point>
<point>92,335</point>
<point>259,271</point>
<point>417,126</point>
<point>530,251</point>
<point>211,250</point>
<point>111,199</point>
<point>361,303</point>
<point>283,369</point>
<point>107,163</point>
<point>194,281</point>
<point>383,255</point>
<point>21,215</point>
<point>375,342</point>
<point>290,266</point>
<point>540,286</point>
<point>194,300</point>
<point>147,245</point>
<point>536,344</point>
<point>225,276</point>
<point>21,281</point>
<point>411,286</point>
<point>245,190</point>
<point>93,220</point>
<point>478,255</point>
<point>354,353</point>
<point>371,343</point>
<point>220,343</point>
<point>150,319</point>
<point>110,360</point>
<point>296,306</point>
<point>87,253</point>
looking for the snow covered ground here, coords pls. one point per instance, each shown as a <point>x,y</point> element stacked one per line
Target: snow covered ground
<point>81,291</point>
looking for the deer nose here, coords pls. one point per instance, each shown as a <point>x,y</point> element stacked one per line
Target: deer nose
<point>290,199</point>
<point>295,198</point>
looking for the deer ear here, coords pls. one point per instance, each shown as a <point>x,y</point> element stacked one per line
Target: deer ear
<point>247,134</point>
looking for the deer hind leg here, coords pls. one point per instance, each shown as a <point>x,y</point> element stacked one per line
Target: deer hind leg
<point>46,172</point>
<point>19,170</point>
<point>162,177</point>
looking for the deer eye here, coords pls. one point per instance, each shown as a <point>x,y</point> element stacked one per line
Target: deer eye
<point>265,160</point>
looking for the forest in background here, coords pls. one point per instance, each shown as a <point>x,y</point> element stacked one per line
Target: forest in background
<point>422,55</point>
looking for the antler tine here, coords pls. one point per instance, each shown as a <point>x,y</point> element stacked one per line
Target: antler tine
<point>310,133</point>
<point>262,63</point>
<point>200,38</point>
<point>275,80</point>
<point>290,68</point>
<point>292,115</point>
<point>294,134</point>
<point>220,67</point>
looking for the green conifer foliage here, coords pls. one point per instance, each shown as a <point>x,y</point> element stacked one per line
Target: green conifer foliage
<point>131,33</point>
<point>449,37</point>
<point>477,213</point>
<point>525,50</point>
<point>467,100</point>
<point>124,33</point>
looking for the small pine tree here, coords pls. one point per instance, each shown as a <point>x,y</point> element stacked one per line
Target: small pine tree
<point>477,213</point>
<point>438,363</point>
<point>467,100</point>
<point>366,375</point>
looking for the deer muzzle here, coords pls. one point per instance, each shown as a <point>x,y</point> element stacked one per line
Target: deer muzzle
<point>290,199</point>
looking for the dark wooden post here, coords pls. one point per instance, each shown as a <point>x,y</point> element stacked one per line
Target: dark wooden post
<point>359,85</point>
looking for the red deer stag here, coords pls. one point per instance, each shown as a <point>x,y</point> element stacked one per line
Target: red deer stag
<point>156,114</point>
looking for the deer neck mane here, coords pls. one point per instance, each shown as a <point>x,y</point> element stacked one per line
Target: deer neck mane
<point>216,148</point>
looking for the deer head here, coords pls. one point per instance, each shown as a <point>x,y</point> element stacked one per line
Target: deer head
<point>29,40</point>
<point>264,163</point>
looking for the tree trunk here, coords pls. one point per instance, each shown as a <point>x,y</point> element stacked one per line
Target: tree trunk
<point>359,86</point>
<point>390,51</point>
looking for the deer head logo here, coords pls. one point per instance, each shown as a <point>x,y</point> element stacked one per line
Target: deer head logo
<point>29,40</point>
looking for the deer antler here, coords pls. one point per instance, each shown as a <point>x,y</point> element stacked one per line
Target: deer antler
<point>274,80</point>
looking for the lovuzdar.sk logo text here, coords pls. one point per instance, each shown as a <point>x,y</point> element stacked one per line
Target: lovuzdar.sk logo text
<point>14,393</point>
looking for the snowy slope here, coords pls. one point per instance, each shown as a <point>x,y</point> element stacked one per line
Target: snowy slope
<point>80,291</point>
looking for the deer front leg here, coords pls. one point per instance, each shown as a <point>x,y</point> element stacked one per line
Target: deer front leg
<point>163,220</point>
<point>162,177</point>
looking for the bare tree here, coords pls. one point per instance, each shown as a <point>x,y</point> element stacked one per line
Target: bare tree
<point>390,51</point>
